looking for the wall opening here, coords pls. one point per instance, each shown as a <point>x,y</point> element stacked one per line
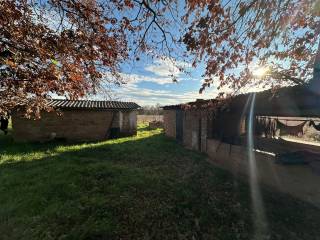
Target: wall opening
<point>179,125</point>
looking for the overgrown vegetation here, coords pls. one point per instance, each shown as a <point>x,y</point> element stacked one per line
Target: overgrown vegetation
<point>143,187</point>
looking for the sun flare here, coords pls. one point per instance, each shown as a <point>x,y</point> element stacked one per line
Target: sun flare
<point>260,71</point>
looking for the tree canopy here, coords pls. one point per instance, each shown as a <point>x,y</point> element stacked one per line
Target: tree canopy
<point>74,48</point>
<point>280,34</point>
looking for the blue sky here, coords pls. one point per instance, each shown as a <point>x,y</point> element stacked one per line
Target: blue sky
<point>149,82</point>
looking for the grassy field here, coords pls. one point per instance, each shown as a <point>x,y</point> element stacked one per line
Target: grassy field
<point>143,187</point>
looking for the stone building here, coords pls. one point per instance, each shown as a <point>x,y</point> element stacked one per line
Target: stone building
<point>79,120</point>
<point>228,132</point>
<point>226,120</point>
<point>187,126</point>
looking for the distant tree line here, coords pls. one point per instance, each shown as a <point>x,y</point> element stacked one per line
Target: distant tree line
<point>151,110</point>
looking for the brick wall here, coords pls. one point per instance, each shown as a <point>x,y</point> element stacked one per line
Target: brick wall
<point>191,128</point>
<point>298,180</point>
<point>195,129</point>
<point>128,123</point>
<point>72,125</point>
<point>204,132</point>
<point>169,121</point>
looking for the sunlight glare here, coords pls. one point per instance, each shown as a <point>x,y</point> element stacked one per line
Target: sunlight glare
<point>260,71</point>
<point>259,217</point>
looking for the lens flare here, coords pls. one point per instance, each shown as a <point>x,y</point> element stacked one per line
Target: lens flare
<point>260,72</point>
<point>259,218</point>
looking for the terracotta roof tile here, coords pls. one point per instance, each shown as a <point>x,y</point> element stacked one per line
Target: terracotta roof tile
<point>89,104</point>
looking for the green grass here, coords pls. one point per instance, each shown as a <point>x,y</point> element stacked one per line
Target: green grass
<point>143,187</point>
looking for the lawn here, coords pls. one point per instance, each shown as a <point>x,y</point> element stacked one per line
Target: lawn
<point>143,187</point>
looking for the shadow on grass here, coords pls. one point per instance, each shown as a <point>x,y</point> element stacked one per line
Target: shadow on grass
<point>147,187</point>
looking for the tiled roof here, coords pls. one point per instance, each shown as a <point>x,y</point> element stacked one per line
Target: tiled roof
<point>199,103</point>
<point>89,104</point>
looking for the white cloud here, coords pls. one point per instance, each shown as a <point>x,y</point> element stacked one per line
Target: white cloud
<point>136,78</point>
<point>164,68</point>
<point>162,71</point>
<point>144,96</point>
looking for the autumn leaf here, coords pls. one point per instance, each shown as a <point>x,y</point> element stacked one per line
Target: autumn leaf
<point>10,63</point>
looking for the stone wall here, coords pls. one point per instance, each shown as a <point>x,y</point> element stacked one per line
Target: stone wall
<point>72,125</point>
<point>195,130</point>
<point>192,131</point>
<point>128,123</point>
<point>169,121</point>
<point>297,180</point>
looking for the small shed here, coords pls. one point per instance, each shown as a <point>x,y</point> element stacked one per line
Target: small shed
<point>78,120</point>
<point>188,125</point>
